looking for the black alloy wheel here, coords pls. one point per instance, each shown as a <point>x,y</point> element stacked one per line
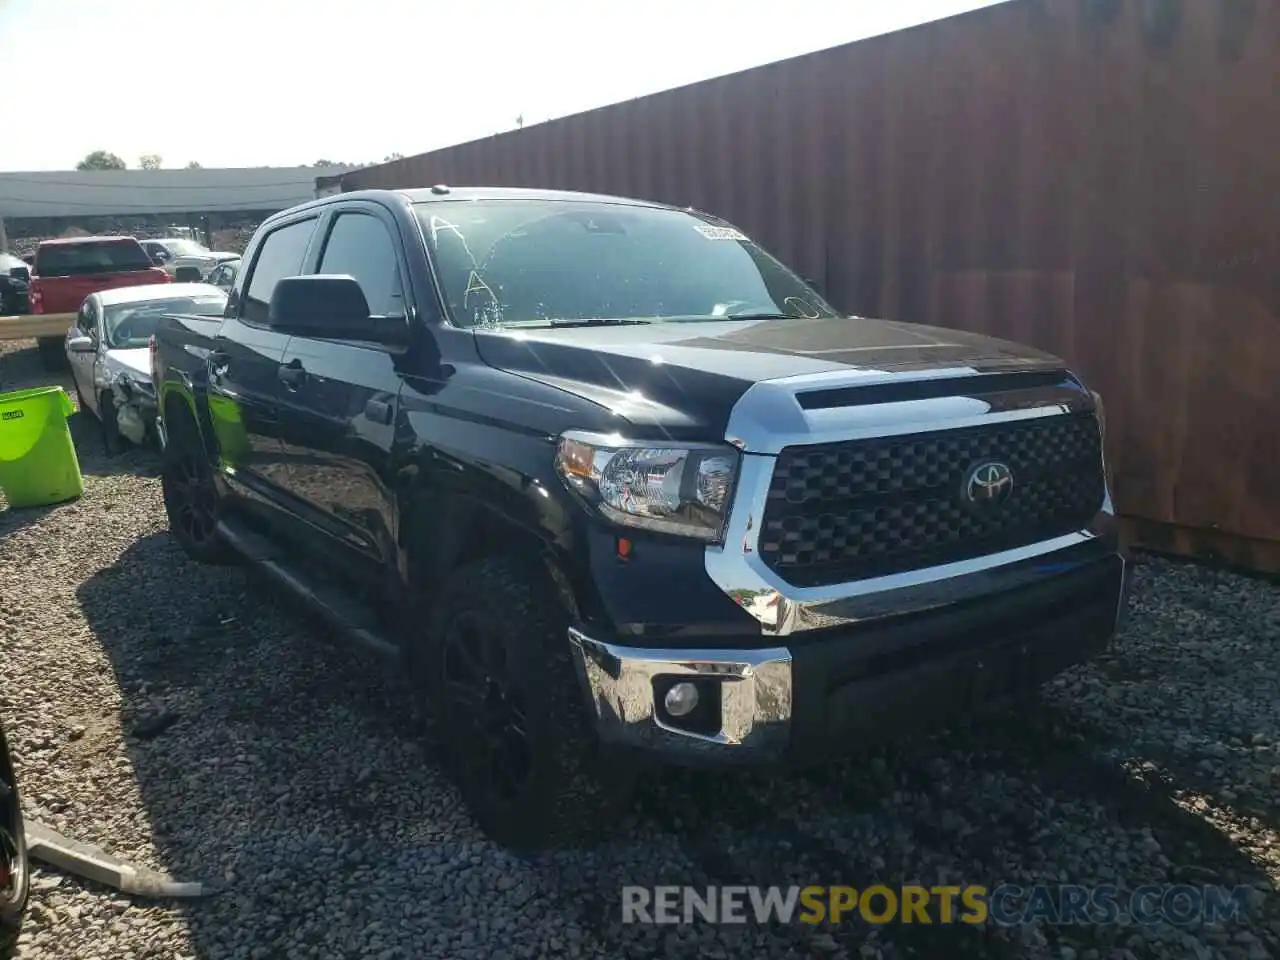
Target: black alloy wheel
<point>496,669</point>
<point>194,501</point>
<point>190,496</point>
<point>481,702</point>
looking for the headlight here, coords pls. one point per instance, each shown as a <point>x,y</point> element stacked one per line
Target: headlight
<point>681,489</point>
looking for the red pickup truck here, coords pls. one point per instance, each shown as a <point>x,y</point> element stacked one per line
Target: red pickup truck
<point>66,271</point>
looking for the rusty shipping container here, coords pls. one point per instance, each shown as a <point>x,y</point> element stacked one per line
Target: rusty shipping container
<point>1094,177</point>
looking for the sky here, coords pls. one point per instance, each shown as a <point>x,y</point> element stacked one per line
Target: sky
<point>239,83</point>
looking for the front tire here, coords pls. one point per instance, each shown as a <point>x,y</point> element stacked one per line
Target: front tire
<point>15,871</point>
<point>507,701</point>
<point>191,500</point>
<point>113,441</point>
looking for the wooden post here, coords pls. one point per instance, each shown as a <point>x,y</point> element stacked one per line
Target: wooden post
<point>4,238</point>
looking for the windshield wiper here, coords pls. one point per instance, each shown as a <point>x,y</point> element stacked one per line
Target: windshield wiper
<point>585,322</point>
<point>756,316</point>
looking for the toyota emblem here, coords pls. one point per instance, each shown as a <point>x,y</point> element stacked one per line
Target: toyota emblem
<point>988,484</point>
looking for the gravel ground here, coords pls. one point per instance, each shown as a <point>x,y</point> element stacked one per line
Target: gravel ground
<point>179,717</point>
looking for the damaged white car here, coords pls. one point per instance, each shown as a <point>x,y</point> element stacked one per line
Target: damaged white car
<point>109,353</point>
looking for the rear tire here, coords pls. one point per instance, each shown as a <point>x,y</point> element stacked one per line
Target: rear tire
<point>191,500</point>
<point>506,698</point>
<point>53,355</point>
<point>15,870</point>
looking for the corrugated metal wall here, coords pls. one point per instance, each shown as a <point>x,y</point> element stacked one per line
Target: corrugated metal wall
<point>1100,178</point>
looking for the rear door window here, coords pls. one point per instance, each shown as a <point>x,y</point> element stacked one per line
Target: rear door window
<point>100,256</point>
<point>280,256</point>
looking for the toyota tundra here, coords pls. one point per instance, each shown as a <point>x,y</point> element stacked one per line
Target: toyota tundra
<point>617,486</point>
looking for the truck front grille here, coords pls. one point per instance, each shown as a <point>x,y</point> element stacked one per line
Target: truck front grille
<point>872,507</point>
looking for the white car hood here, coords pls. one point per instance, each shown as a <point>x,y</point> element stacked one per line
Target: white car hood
<point>135,360</point>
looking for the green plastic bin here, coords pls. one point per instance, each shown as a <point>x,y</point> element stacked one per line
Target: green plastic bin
<point>38,462</point>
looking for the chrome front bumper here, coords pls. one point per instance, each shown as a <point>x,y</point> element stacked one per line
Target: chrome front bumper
<point>755,703</point>
<point>781,702</point>
<point>765,694</point>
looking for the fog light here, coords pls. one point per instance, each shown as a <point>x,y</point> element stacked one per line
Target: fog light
<point>681,699</point>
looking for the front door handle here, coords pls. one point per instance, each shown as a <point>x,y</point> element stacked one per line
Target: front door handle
<point>378,411</point>
<point>292,374</point>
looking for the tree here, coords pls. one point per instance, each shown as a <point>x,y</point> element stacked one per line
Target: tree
<point>194,165</point>
<point>392,156</point>
<point>101,160</point>
<point>150,161</point>
<point>326,163</point>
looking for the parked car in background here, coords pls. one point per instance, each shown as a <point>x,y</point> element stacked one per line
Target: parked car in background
<point>108,351</point>
<point>68,270</point>
<point>223,276</point>
<point>175,253</point>
<point>15,876</point>
<point>15,280</point>
<point>618,487</point>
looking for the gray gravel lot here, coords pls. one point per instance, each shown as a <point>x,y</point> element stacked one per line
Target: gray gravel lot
<point>182,717</point>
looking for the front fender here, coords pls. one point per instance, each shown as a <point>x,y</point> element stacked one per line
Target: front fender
<point>474,458</point>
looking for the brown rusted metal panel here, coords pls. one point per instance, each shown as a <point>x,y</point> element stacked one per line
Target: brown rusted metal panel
<point>1095,177</point>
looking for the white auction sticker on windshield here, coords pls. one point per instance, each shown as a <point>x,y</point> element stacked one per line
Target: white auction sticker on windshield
<point>719,233</point>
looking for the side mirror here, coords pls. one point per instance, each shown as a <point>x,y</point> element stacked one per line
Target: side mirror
<point>331,306</point>
<point>159,259</point>
<point>20,273</point>
<point>81,344</point>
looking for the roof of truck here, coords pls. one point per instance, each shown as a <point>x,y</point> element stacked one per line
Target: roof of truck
<point>441,192</point>
<point>64,241</point>
<point>444,192</point>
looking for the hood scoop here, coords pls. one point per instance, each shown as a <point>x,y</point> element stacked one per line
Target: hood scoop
<point>896,391</point>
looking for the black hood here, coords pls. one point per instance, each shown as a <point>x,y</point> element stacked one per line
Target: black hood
<point>682,379</point>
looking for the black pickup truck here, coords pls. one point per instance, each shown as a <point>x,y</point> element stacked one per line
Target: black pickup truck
<point>617,486</point>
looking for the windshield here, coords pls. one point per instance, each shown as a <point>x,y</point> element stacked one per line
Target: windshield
<point>185,248</point>
<point>129,325</point>
<point>542,262</point>
<point>93,256</point>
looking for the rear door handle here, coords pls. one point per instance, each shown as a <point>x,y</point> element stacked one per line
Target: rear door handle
<point>292,374</point>
<point>218,363</point>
